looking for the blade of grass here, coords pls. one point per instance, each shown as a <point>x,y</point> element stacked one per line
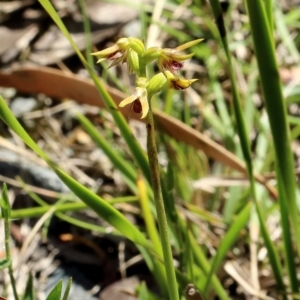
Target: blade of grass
<point>33,212</point>
<point>67,290</point>
<point>87,32</point>
<point>55,293</point>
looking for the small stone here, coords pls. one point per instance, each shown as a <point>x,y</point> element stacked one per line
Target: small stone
<point>7,93</point>
<point>22,105</point>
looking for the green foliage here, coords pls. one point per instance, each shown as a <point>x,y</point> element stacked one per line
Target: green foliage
<point>67,290</point>
<point>55,293</point>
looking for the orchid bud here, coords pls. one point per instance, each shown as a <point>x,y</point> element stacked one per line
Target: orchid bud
<point>133,62</point>
<point>137,45</point>
<point>156,84</point>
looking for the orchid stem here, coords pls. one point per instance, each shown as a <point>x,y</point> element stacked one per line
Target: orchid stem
<point>160,209</point>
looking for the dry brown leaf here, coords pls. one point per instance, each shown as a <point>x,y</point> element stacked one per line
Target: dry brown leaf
<point>58,84</point>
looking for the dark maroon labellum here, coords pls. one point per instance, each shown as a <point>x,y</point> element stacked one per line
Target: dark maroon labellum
<point>176,86</point>
<point>176,65</point>
<point>137,106</point>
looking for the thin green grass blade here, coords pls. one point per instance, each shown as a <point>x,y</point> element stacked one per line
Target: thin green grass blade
<point>143,291</point>
<point>87,32</point>
<point>4,263</point>
<point>227,241</point>
<point>67,290</point>
<point>4,204</point>
<point>34,212</point>
<point>99,205</point>
<point>272,91</point>
<point>55,294</point>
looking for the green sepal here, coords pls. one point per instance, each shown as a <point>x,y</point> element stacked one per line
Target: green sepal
<point>151,54</point>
